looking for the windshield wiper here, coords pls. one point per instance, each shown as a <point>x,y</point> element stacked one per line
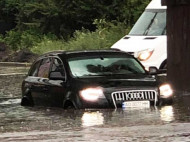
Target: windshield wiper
<point>149,26</point>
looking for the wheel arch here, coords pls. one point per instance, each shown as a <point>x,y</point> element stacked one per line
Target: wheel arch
<point>163,64</point>
<point>71,99</point>
<point>27,99</point>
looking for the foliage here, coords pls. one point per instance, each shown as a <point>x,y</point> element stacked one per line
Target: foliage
<point>66,24</point>
<point>13,39</point>
<point>1,39</point>
<point>24,39</point>
<point>130,10</point>
<point>8,9</point>
<point>107,33</point>
<point>62,18</point>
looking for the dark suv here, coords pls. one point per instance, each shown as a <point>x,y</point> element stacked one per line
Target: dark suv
<point>91,79</point>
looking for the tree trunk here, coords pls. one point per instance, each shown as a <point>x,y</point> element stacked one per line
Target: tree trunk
<point>178,42</point>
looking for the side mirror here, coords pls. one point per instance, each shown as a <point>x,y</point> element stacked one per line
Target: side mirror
<point>56,75</point>
<point>153,70</point>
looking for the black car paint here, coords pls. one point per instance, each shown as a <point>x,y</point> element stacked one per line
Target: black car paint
<point>111,84</point>
<point>44,91</point>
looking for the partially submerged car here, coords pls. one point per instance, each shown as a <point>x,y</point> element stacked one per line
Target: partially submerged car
<point>92,79</point>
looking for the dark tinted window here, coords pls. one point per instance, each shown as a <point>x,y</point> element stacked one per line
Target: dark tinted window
<point>44,68</point>
<point>34,69</point>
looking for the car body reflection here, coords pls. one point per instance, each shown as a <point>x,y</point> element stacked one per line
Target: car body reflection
<point>92,119</point>
<point>167,113</point>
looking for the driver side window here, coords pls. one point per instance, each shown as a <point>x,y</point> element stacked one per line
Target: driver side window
<point>57,69</point>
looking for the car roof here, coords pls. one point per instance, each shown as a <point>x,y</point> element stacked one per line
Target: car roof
<point>94,52</point>
<point>82,52</point>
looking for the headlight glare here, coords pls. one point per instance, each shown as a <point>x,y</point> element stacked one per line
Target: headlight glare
<point>144,55</point>
<point>165,90</point>
<point>92,94</point>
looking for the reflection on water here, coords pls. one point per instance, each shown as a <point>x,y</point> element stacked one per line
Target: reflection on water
<point>10,101</point>
<point>92,118</point>
<point>19,123</point>
<point>9,70</point>
<point>167,113</point>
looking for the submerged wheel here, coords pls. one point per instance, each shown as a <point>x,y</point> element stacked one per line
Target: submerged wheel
<point>68,105</point>
<point>166,102</point>
<point>26,101</point>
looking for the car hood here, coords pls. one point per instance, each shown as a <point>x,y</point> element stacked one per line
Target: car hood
<point>119,81</point>
<point>139,43</point>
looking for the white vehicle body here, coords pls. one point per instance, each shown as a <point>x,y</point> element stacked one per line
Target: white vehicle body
<point>147,39</point>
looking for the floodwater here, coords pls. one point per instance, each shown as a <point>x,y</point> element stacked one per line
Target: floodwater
<point>154,124</point>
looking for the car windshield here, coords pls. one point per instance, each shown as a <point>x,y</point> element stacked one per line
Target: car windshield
<point>104,66</point>
<point>150,24</point>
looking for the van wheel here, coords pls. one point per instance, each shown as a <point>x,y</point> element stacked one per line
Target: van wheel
<point>165,66</point>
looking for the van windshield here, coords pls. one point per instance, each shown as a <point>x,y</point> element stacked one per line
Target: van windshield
<point>150,24</point>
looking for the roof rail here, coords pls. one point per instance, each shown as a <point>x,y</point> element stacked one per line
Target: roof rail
<point>53,52</point>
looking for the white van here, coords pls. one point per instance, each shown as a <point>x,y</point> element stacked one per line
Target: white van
<point>147,39</point>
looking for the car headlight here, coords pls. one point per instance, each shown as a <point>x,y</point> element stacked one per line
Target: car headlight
<point>165,90</point>
<point>144,55</point>
<point>92,94</point>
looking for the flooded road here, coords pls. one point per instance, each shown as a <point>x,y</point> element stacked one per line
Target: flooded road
<point>154,124</point>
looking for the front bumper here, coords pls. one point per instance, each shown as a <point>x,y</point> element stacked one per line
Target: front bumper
<point>166,101</point>
<point>101,103</point>
<point>116,99</point>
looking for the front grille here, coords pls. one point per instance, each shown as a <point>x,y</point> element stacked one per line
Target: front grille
<point>134,95</point>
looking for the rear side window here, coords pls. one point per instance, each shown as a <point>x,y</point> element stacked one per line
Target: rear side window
<point>34,69</point>
<point>44,68</point>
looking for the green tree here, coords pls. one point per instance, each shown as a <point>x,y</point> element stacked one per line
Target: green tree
<point>34,19</point>
<point>8,9</point>
<point>64,17</point>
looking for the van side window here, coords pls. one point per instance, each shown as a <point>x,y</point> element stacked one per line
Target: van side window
<point>34,69</point>
<point>44,68</point>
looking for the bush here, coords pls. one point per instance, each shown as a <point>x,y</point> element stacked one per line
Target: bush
<point>12,39</point>
<point>63,17</point>
<point>107,34</point>
<point>48,44</point>
<point>1,38</point>
<point>18,40</point>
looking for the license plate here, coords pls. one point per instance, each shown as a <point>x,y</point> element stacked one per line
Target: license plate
<point>136,104</point>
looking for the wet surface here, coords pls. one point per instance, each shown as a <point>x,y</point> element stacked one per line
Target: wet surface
<point>10,85</point>
<point>167,123</point>
<point>12,70</point>
<point>154,124</point>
